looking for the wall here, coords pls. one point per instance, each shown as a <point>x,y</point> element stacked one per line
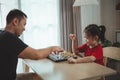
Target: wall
<point>110,18</point>
<point>118,17</point>
<point>104,13</point>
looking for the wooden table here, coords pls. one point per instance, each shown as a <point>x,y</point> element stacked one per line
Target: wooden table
<point>50,70</point>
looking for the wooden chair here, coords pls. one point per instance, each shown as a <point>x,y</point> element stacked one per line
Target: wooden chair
<point>111,52</point>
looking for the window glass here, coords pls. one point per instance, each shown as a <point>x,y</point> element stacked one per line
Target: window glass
<point>5,7</point>
<point>42,29</point>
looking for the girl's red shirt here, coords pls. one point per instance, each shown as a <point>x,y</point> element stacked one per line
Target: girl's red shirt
<point>97,52</point>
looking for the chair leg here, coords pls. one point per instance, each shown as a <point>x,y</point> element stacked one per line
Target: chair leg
<point>105,59</point>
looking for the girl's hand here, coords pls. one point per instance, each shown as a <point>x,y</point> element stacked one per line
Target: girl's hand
<point>72,60</point>
<point>72,36</point>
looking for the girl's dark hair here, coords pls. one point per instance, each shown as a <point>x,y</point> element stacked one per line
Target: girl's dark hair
<point>103,30</point>
<point>95,30</point>
<point>15,13</point>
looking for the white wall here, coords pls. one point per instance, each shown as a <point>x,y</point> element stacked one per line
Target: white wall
<point>90,14</point>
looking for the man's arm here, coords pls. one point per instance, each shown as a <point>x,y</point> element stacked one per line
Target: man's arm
<point>31,53</point>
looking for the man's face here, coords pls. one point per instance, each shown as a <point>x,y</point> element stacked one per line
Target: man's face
<point>21,26</point>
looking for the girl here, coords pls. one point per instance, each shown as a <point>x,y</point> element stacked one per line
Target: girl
<point>92,49</point>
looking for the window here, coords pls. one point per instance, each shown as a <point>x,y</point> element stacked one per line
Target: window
<point>5,7</point>
<point>42,29</point>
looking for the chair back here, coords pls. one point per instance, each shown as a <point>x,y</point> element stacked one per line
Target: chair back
<point>112,52</point>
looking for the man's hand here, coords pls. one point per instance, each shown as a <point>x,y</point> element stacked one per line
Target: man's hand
<point>56,49</point>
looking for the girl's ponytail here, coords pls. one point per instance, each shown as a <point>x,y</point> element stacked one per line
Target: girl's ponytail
<point>102,33</point>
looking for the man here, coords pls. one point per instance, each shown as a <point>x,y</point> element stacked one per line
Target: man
<point>11,47</point>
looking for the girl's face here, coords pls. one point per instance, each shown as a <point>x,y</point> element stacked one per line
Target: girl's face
<point>91,41</point>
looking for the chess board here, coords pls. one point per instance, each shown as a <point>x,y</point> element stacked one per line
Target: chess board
<point>61,56</point>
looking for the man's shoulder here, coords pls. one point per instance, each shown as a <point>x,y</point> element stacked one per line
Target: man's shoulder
<point>1,31</point>
<point>7,34</point>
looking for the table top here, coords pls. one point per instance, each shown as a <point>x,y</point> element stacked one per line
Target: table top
<point>50,70</point>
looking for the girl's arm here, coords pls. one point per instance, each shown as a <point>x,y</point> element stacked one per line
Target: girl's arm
<point>82,60</point>
<point>86,59</point>
<point>74,46</point>
<point>74,43</point>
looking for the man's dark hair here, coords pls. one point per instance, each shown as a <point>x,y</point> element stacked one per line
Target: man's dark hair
<point>15,13</point>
